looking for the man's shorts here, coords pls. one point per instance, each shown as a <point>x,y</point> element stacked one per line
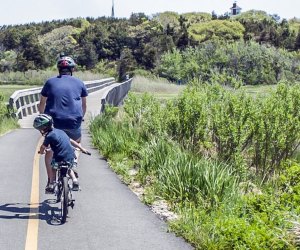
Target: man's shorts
<point>74,134</point>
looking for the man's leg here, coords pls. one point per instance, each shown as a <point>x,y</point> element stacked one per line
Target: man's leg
<point>75,134</point>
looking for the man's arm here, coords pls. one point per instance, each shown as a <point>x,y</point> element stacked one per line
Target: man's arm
<point>83,99</point>
<point>78,145</point>
<point>42,104</point>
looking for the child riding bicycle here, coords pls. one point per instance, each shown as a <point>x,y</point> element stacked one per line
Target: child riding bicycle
<point>61,145</point>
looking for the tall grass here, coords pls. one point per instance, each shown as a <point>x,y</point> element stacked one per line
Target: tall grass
<point>38,77</point>
<point>215,210</point>
<point>183,177</point>
<point>141,84</point>
<point>114,137</point>
<point>7,124</point>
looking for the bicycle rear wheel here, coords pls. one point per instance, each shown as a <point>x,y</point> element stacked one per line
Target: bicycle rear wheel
<point>64,200</point>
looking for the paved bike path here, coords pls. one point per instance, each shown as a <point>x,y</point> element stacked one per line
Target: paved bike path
<point>16,155</point>
<point>107,215</point>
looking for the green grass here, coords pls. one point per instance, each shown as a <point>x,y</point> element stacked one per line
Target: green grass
<point>34,77</point>
<point>7,125</point>
<point>8,90</point>
<point>159,87</point>
<point>160,96</point>
<point>258,89</point>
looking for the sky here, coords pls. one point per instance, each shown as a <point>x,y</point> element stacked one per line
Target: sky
<point>27,11</point>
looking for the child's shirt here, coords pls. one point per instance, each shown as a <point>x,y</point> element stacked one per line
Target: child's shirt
<point>60,145</point>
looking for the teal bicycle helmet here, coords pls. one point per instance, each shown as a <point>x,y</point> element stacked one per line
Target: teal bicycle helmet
<point>43,122</point>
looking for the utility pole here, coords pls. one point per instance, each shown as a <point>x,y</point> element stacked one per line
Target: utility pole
<point>113,9</point>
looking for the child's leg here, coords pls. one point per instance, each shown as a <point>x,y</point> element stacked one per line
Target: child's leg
<point>50,171</point>
<point>71,173</point>
<point>75,181</point>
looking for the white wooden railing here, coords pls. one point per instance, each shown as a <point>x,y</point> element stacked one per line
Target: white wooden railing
<point>24,102</point>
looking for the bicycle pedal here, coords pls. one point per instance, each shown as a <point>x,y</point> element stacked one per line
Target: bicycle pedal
<point>72,203</point>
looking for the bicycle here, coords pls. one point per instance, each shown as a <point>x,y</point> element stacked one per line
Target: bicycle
<point>63,188</point>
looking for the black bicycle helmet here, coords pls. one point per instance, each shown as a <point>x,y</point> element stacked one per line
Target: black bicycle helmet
<point>43,122</point>
<point>65,63</point>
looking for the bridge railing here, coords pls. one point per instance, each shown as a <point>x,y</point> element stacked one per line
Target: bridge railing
<point>115,96</point>
<point>25,102</point>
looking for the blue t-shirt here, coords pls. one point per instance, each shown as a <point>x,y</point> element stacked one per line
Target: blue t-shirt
<point>64,102</point>
<point>60,145</point>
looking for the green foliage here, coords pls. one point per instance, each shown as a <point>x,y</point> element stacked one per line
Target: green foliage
<point>234,63</point>
<point>58,40</point>
<point>253,222</point>
<point>155,85</point>
<point>294,24</point>
<point>154,154</point>
<point>3,109</point>
<point>204,182</point>
<point>168,19</point>
<point>277,129</point>
<point>106,68</point>
<point>196,17</point>
<point>7,60</point>
<point>187,121</point>
<point>114,138</point>
<point>289,185</point>
<point>145,112</point>
<point>215,210</point>
<point>216,30</point>
<point>6,122</point>
<point>229,126</point>
<point>90,40</point>
<point>171,64</point>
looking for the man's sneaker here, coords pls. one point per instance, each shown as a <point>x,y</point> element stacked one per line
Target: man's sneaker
<point>75,186</point>
<point>49,188</point>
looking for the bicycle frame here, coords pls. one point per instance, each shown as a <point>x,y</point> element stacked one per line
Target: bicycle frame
<point>63,190</point>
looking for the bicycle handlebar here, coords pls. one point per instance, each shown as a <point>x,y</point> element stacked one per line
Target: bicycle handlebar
<point>87,153</point>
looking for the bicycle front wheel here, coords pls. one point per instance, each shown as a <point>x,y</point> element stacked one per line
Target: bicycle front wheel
<point>64,200</point>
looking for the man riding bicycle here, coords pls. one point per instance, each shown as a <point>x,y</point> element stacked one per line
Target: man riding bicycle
<point>64,98</point>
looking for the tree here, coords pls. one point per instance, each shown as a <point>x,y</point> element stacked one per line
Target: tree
<point>7,60</point>
<point>88,56</point>
<point>297,42</point>
<point>137,18</point>
<point>126,64</point>
<point>33,52</point>
<point>214,15</point>
<point>11,38</point>
<point>216,30</point>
